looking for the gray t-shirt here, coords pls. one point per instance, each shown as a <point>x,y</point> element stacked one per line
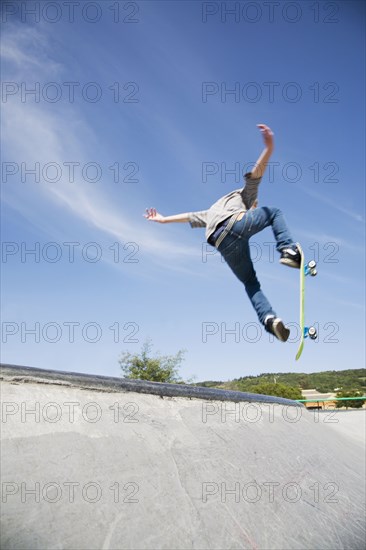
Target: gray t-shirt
<point>235,202</point>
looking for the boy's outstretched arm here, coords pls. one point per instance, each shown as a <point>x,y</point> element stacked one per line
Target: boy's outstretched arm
<point>154,216</point>
<point>261,163</point>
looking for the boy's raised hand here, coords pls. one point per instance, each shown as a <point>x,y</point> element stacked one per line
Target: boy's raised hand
<point>267,135</point>
<point>153,216</point>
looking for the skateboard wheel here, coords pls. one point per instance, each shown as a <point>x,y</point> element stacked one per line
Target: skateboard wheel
<point>312,264</point>
<point>312,333</point>
<point>313,272</point>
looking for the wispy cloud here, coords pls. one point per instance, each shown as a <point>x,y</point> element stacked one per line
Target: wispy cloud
<point>325,239</point>
<point>35,134</point>
<point>333,204</point>
<point>350,304</point>
<point>26,49</point>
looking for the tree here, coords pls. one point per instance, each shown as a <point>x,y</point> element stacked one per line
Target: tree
<point>278,390</point>
<point>161,368</point>
<point>354,404</point>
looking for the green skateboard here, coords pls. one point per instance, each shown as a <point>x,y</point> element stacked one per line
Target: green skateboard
<point>305,269</point>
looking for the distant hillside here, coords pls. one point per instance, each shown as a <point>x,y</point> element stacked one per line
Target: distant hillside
<point>327,381</point>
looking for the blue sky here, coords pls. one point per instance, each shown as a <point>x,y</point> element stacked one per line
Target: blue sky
<point>132,109</point>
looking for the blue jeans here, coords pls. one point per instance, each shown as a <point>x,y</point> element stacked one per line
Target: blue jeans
<point>235,250</point>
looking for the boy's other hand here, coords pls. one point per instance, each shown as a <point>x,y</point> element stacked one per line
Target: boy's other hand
<point>153,216</point>
<point>267,135</point>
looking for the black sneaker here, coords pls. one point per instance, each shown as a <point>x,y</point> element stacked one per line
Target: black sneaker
<point>291,256</point>
<point>275,326</point>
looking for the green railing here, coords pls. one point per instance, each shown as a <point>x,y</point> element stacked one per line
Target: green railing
<point>361,398</point>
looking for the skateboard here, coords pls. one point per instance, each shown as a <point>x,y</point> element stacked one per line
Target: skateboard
<point>305,269</point>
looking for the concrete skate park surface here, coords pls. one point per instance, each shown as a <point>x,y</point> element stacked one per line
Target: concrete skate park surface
<point>92,462</point>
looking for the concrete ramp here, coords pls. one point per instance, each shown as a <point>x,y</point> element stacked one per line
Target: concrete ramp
<point>92,462</point>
